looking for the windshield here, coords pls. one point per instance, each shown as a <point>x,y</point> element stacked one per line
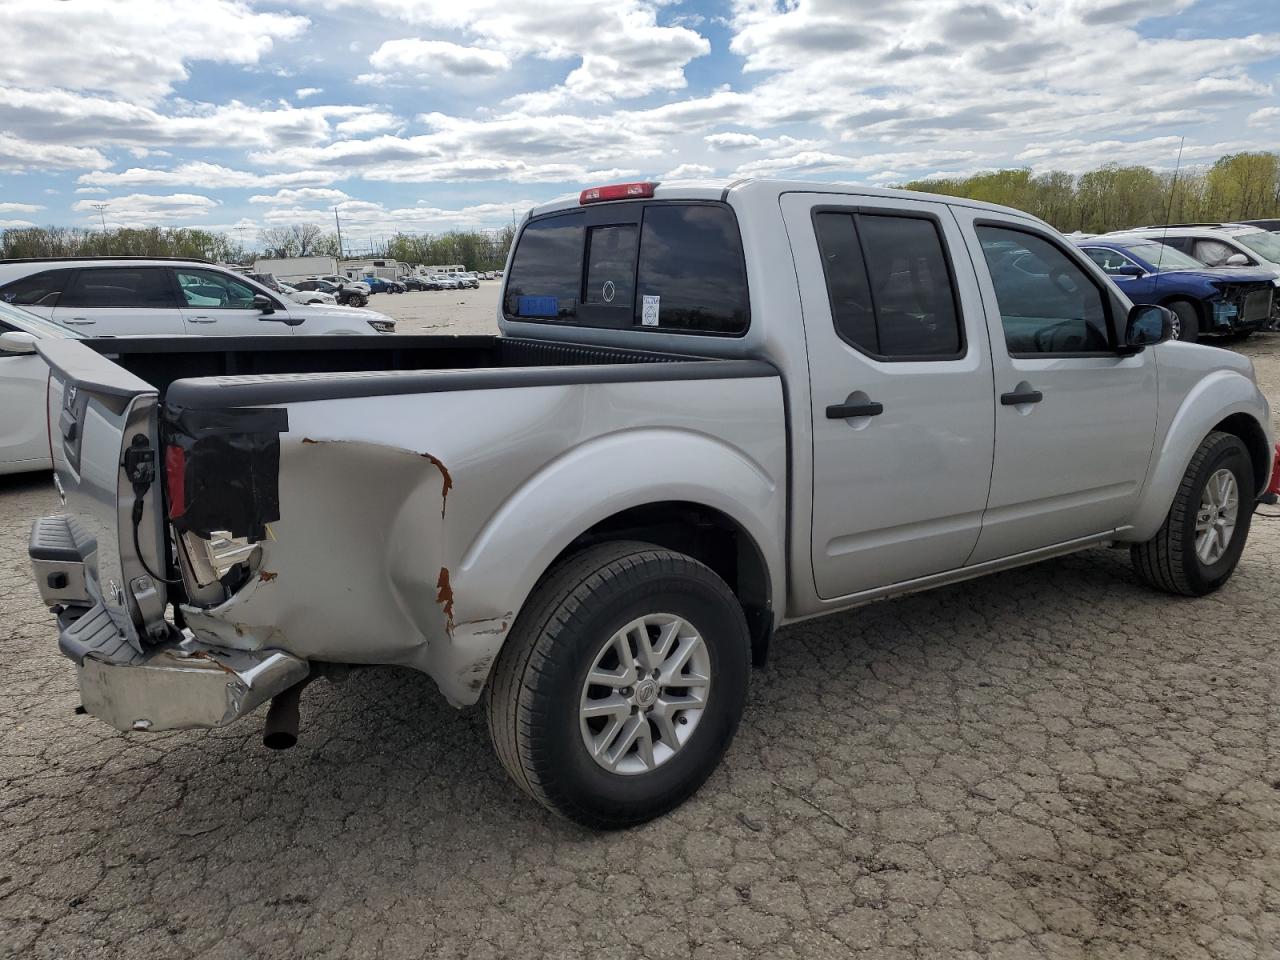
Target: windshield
<point>1266,245</point>
<point>1163,257</point>
<point>15,318</point>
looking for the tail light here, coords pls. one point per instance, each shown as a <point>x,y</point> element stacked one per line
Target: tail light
<point>175,480</point>
<point>617,191</point>
<point>1274,488</point>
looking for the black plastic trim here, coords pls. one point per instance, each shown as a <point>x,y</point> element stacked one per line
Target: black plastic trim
<point>1015,398</point>
<point>846,411</point>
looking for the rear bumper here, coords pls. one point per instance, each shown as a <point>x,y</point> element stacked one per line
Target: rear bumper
<point>174,686</point>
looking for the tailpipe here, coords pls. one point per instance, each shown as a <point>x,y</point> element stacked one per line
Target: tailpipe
<point>281,729</point>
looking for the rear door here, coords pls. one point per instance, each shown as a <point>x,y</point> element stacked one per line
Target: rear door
<point>120,301</point>
<point>24,436</point>
<point>901,388</point>
<point>1075,419</point>
<point>219,304</point>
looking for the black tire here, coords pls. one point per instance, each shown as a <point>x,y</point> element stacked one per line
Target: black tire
<point>1168,561</point>
<point>533,696</point>
<point>1188,320</point>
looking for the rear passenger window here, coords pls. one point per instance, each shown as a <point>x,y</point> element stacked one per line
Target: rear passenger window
<point>120,287</point>
<point>546,271</point>
<point>691,269</point>
<point>889,285</point>
<point>40,290</point>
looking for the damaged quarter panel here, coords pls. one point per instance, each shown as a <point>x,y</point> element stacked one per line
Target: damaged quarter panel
<point>412,527</point>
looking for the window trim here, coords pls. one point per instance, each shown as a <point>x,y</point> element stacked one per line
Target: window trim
<point>618,213</point>
<point>180,291</point>
<point>856,210</point>
<point>68,274</point>
<point>1087,266</point>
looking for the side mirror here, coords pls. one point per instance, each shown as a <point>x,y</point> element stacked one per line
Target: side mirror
<point>17,341</point>
<point>262,303</point>
<point>1146,326</point>
<point>1130,270</point>
<point>1236,260</point>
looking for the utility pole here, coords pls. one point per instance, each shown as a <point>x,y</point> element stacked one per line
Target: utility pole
<point>102,212</point>
<point>338,223</point>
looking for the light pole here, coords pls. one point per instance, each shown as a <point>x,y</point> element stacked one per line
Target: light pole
<point>102,212</point>
<point>338,223</point>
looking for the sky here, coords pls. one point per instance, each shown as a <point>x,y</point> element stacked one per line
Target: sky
<point>430,115</point>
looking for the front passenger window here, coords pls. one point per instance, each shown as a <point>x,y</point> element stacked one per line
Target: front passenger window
<point>206,289</point>
<point>1048,304</point>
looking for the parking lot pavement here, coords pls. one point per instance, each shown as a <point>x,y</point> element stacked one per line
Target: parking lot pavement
<point>1051,762</point>
<point>443,311</point>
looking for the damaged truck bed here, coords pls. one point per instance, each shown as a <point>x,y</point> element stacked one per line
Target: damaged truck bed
<point>363,501</point>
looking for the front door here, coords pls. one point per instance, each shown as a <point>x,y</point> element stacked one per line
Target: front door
<point>901,399</point>
<point>219,304</point>
<point>1075,418</point>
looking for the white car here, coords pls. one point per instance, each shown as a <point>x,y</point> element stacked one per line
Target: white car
<point>446,281</point>
<point>308,296</point>
<point>24,431</point>
<point>340,281</point>
<point>135,296</point>
<point>1221,244</point>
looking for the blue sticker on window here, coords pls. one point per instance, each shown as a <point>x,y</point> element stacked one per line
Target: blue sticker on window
<point>537,307</point>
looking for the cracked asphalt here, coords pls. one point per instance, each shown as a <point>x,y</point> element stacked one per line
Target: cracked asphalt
<point>1053,762</point>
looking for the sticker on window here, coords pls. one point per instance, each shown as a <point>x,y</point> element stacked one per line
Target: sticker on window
<point>537,307</point>
<point>649,312</point>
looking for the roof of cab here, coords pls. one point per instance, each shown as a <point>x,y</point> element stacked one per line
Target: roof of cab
<point>723,189</point>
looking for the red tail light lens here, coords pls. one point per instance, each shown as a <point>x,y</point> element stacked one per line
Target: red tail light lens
<point>617,191</point>
<point>1274,488</point>
<point>175,480</point>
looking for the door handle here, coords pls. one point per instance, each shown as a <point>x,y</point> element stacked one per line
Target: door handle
<point>1019,397</point>
<point>79,321</point>
<point>844,411</point>
<point>202,320</point>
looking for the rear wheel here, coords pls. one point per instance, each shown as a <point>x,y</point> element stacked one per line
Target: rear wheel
<point>1186,323</point>
<point>1197,549</point>
<point>621,685</point>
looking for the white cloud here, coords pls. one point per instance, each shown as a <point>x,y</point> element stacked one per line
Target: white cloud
<point>302,93</point>
<point>17,154</point>
<point>301,195</point>
<point>144,209</point>
<point>1264,117</point>
<point>15,224</point>
<point>211,176</point>
<point>418,60</point>
<point>20,207</point>
<point>372,122</point>
<point>136,49</point>
<point>689,171</point>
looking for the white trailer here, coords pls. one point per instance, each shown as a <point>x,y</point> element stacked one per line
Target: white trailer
<point>297,268</point>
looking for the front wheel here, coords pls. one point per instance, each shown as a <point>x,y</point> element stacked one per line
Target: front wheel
<point>1186,321</point>
<point>621,685</point>
<point>1197,549</point>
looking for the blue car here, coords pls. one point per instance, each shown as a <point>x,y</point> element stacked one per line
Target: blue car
<point>1219,300</point>
<point>377,284</point>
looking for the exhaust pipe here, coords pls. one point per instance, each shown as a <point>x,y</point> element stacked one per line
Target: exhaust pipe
<point>281,729</point>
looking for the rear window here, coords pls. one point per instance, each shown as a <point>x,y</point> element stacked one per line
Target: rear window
<point>120,287</point>
<point>670,266</point>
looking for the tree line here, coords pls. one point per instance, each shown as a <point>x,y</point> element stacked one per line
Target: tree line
<point>1239,186</point>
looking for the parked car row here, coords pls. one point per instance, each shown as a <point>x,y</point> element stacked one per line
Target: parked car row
<point>1217,278</point>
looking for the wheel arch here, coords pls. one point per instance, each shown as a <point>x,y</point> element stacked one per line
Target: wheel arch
<point>1250,433</point>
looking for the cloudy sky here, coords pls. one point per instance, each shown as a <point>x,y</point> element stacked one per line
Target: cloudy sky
<point>424,115</point>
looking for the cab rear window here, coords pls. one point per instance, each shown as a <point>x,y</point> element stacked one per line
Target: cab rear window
<point>662,266</point>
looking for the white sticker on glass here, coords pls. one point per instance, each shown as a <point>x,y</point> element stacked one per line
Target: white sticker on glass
<point>649,313</point>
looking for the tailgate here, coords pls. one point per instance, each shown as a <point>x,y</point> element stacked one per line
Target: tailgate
<point>103,436</point>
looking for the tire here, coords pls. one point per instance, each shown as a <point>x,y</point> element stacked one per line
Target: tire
<point>1170,561</point>
<point>1188,320</point>
<point>539,684</point>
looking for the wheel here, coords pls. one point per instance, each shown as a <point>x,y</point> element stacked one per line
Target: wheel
<point>1186,321</point>
<point>621,684</point>
<point>1199,545</point>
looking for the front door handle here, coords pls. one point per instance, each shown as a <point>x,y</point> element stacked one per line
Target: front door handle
<point>845,411</point>
<point>79,321</point>
<point>1017,397</point>
<point>202,320</point>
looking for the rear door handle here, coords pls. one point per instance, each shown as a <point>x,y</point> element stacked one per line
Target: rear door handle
<point>202,320</point>
<point>1018,397</point>
<point>844,411</point>
<point>79,321</point>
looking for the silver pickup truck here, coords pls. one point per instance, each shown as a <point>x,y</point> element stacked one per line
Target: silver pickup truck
<point>711,411</point>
